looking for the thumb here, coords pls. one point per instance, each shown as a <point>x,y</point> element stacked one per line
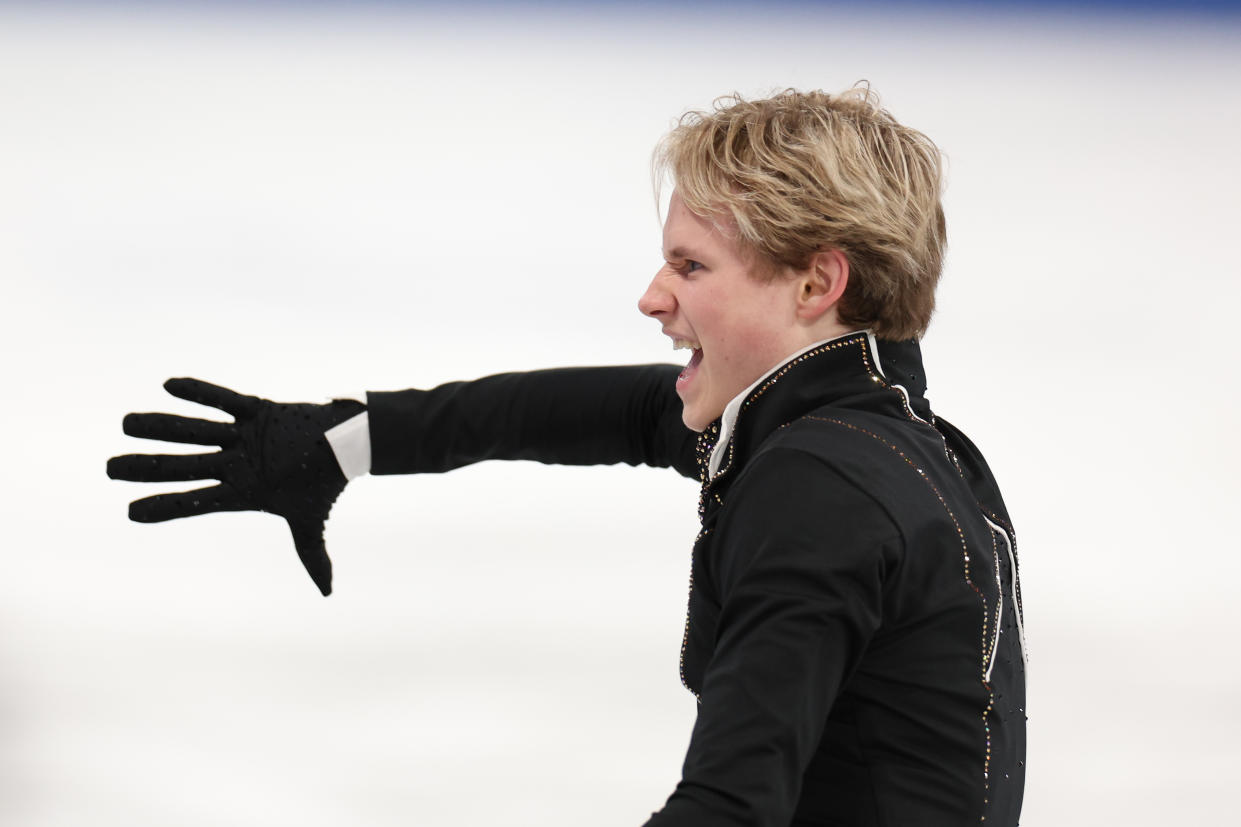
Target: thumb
<point>308,539</point>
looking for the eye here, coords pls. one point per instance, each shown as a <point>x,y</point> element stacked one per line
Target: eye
<point>684,266</point>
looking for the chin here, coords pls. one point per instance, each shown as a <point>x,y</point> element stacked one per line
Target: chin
<point>695,419</point>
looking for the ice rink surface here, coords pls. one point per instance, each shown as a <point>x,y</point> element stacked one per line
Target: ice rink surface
<point>299,202</point>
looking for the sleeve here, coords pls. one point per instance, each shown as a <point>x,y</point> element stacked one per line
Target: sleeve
<point>565,416</point>
<point>800,562</point>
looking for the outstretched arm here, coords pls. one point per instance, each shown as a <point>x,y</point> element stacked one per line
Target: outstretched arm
<point>274,456</point>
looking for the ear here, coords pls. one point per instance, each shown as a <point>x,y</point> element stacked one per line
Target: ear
<point>821,284</point>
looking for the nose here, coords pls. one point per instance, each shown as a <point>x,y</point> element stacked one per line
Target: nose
<point>657,299</point>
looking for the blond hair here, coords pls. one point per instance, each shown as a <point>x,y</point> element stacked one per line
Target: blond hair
<point>802,172</point>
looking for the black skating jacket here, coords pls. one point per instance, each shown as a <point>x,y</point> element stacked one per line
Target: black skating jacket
<point>854,625</point>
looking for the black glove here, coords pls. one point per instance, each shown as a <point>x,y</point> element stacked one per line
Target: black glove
<point>274,458</point>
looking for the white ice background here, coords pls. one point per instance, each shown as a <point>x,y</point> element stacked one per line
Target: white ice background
<point>306,203</point>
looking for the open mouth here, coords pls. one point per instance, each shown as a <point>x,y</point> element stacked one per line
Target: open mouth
<point>695,359</point>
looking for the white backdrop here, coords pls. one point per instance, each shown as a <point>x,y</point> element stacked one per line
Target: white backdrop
<point>306,203</point>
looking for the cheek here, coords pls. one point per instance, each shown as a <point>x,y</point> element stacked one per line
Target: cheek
<point>752,350</point>
<point>752,334</point>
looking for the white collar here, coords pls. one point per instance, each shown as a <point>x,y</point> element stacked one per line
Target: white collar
<point>729,418</point>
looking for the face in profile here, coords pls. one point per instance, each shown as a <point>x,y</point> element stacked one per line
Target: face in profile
<point>709,300</point>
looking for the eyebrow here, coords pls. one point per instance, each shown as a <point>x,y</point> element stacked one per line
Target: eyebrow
<point>677,253</point>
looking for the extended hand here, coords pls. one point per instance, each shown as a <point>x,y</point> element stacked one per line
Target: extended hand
<point>273,458</point>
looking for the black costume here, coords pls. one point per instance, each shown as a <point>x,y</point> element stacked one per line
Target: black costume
<point>853,633</point>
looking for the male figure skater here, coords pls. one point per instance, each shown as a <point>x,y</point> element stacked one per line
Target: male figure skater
<point>854,627</point>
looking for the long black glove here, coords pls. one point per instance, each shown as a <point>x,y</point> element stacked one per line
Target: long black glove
<point>274,457</point>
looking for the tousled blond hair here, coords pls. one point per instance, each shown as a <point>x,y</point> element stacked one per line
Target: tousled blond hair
<point>802,172</point>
